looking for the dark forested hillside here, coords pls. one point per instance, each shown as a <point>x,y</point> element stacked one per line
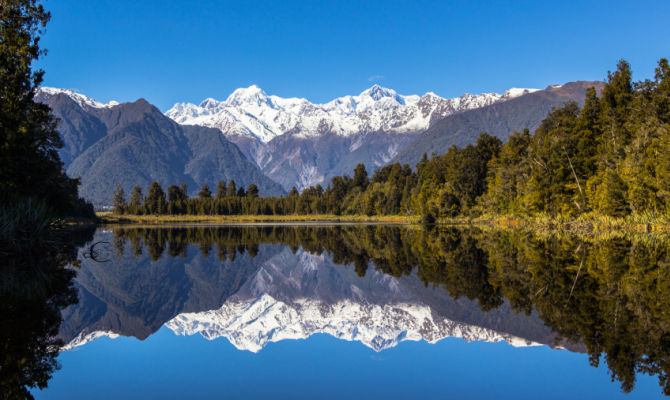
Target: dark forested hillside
<point>500,120</point>
<point>135,143</point>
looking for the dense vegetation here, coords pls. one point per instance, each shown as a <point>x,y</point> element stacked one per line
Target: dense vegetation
<point>607,295</point>
<point>30,167</point>
<point>610,157</point>
<point>35,195</point>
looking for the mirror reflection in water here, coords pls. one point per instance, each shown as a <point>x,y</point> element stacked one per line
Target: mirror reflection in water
<point>380,285</point>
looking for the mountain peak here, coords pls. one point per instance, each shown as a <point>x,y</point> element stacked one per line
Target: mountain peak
<point>516,92</point>
<point>78,98</point>
<point>250,95</point>
<point>377,92</point>
<point>209,103</point>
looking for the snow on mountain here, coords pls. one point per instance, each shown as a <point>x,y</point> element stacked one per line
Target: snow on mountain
<point>252,324</point>
<point>516,92</point>
<point>79,98</point>
<point>252,113</point>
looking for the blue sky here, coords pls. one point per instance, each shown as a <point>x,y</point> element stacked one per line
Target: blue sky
<point>169,51</point>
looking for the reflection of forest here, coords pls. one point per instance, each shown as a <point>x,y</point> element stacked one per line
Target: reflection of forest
<point>611,294</point>
<point>34,286</point>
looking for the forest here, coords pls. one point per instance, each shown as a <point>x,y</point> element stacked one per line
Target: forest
<point>610,157</point>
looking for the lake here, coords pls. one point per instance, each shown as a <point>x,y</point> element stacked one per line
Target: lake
<point>359,311</point>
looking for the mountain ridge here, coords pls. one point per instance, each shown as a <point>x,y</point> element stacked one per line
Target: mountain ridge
<point>299,143</point>
<point>500,119</point>
<point>134,143</point>
<point>289,141</point>
<point>265,117</point>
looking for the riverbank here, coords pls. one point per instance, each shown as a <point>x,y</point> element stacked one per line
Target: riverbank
<point>583,224</point>
<point>110,218</point>
<point>586,223</point>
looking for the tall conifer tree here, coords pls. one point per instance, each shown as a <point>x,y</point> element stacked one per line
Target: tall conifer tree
<point>30,166</point>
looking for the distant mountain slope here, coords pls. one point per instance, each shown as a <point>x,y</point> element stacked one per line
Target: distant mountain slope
<point>298,143</point>
<point>499,119</point>
<point>134,143</point>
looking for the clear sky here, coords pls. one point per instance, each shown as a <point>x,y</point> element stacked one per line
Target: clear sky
<point>168,51</point>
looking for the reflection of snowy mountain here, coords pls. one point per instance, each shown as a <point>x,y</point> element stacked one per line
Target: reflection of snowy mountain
<point>290,296</point>
<point>251,325</point>
<point>296,296</point>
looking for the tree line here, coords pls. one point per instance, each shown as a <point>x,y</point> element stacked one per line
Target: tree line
<point>610,157</point>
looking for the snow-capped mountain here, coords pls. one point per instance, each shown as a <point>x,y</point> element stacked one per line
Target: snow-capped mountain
<point>83,101</point>
<point>135,143</point>
<point>251,112</point>
<point>298,143</point>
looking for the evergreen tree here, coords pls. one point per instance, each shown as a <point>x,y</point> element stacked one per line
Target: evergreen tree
<point>136,197</point>
<point>232,189</point>
<point>221,190</point>
<point>174,193</point>
<point>205,193</point>
<point>30,166</point>
<point>509,175</point>
<point>119,199</point>
<point>155,201</point>
<point>360,177</point>
<point>616,100</point>
<point>252,191</point>
<point>611,195</point>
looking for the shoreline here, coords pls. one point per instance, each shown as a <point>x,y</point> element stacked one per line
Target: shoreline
<point>110,218</point>
<point>584,224</point>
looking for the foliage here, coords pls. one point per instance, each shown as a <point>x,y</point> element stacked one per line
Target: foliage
<point>610,156</point>
<point>29,163</point>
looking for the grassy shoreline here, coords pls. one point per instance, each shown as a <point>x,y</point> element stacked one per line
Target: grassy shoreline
<point>583,224</point>
<point>110,218</point>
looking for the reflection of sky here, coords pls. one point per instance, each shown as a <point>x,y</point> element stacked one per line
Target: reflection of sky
<point>168,366</point>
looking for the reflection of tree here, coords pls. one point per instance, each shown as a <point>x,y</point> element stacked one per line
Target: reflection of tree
<point>612,295</point>
<point>35,286</point>
<point>600,293</point>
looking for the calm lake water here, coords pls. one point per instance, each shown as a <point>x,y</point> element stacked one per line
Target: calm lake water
<point>364,311</point>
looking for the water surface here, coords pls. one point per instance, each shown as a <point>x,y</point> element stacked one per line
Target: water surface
<point>364,311</point>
